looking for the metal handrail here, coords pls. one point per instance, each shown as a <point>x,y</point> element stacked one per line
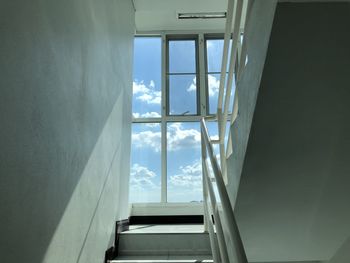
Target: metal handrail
<point>240,66</point>
<point>227,38</point>
<point>219,242</point>
<point>234,48</point>
<point>222,112</point>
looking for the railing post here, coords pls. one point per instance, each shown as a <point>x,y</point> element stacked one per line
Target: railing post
<point>227,37</point>
<point>242,58</point>
<point>205,190</point>
<point>231,225</point>
<point>208,224</point>
<point>237,59</point>
<point>236,31</point>
<point>212,236</point>
<point>218,226</point>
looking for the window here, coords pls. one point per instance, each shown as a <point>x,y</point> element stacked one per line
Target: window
<point>184,167</point>
<point>145,170</point>
<point>182,77</point>
<point>173,87</point>
<point>145,167</point>
<point>147,77</point>
<point>214,50</point>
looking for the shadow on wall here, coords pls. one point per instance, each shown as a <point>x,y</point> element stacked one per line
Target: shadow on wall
<point>94,203</point>
<point>65,114</point>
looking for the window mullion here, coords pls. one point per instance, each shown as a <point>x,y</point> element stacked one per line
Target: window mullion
<point>164,124</point>
<point>202,78</point>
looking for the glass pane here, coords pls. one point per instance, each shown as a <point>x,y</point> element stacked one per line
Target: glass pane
<point>213,81</point>
<point>182,95</point>
<point>215,48</point>
<point>145,169</point>
<point>182,56</point>
<point>184,167</point>
<point>147,77</point>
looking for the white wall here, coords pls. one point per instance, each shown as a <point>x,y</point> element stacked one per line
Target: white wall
<point>65,116</point>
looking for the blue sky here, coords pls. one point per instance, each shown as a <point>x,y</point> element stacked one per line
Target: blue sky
<point>184,176</point>
<point>147,76</point>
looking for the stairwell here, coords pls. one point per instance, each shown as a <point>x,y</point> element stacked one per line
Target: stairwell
<point>184,243</point>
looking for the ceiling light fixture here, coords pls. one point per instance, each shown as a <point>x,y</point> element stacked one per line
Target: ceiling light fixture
<point>206,15</point>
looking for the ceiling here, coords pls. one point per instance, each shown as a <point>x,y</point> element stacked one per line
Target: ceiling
<point>161,15</point>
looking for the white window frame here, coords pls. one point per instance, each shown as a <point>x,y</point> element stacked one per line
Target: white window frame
<point>202,101</point>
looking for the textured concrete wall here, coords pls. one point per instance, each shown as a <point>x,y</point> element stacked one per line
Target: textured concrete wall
<point>257,34</point>
<point>293,200</point>
<point>65,113</point>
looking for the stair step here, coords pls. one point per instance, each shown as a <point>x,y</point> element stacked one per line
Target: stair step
<point>164,244</point>
<point>159,261</point>
<point>199,260</point>
<point>144,241</point>
<point>163,259</point>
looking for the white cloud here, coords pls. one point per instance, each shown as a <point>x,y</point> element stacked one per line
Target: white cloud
<point>141,177</point>
<point>145,97</point>
<point>179,138</point>
<point>139,171</point>
<point>195,169</point>
<point>152,125</point>
<point>213,85</point>
<point>139,87</point>
<point>146,93</point>
<point>188,176</point>
<point>136,115</point>
<point>193,85</point>
<point>147,139</point>
<point>151,114</point>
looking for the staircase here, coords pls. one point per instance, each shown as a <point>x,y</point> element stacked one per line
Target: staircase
<point>164,243</point>
<point>218,239</point>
